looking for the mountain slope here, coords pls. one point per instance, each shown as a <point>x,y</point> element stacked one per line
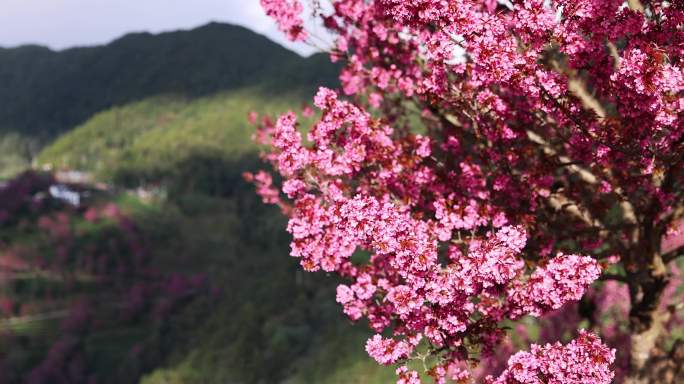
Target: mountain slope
<point>179,120</point>
<point>272,323</point>
<point>159,138</point>
<point>44,93</point>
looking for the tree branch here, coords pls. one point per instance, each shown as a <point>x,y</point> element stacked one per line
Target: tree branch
<point>583,173</point>
<point>561,203</point>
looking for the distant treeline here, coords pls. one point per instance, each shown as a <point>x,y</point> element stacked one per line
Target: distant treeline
<point>44,93</point>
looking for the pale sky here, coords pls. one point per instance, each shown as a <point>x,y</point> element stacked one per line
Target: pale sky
<point>67,23</point>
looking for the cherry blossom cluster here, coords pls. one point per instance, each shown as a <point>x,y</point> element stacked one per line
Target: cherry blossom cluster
<point>452,298</point>
<point>492,159</point>
<point>545,291</point>
<point>559,364</point>
<point>287,13</point>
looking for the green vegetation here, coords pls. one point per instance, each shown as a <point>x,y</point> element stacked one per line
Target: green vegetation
<point>45,93</point>
<point>262,319</point>
<point>272,322</point>
<point>15,153</point>
<point>263,315</point>
<point>155,139</point>
<point>169,112</point>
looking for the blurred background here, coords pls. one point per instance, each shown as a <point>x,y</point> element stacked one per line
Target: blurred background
<point>131,249</point>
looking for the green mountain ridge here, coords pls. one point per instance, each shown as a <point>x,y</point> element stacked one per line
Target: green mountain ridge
<point>45,93</point>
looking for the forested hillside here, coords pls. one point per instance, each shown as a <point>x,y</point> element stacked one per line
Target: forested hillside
<point>44,93</point>
<point>187,279</point>
<point>158,138</point>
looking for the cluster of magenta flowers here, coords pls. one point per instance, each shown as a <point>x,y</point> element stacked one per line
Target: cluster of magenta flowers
<point>494,159</point>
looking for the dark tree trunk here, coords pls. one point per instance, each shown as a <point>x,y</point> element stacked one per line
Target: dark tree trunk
<point>646,320</point>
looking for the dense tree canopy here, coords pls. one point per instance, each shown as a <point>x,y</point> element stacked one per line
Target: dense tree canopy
<point>494,159</point>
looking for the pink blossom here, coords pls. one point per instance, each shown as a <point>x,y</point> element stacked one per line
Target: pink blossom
<point>469,142</point>
<point>563,279</point>
<point>286,14</point>
<point>387,351</point>
<point>584,360</point>
<point>407,376</point>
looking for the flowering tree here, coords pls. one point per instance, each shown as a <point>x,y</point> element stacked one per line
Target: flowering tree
<point>494,159</point>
